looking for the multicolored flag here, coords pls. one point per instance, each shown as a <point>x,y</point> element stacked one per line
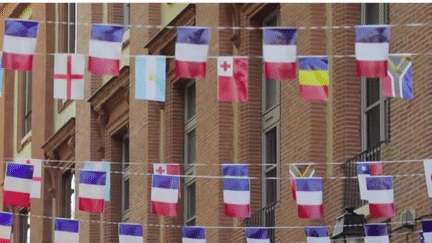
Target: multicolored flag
<point>279,52</point>
<point>317,234</point>
<point>18,184</point>
<point>376,233</point>
<point>233,79</point>
<point>313,78</point>
<point>6,222</point>
<point>257,235</point>
<point>309,198</point>
<point>105,49</point>
<point>150,77</point>
<point>380,196</point>
<point>19,44</point>
<point>298,170</point>
<point>372,50</point>
<point>101,166</point>
<point>365,169</point>
<point>193,234</point>
<point>66,230</point>
<point>130,233</point>
<point>191,52</point>
<point>167,169</point>
<point>236,193</point>
<point>398,82</point>
<point>164,195</point>
<point>427,230</point>
<point>92,191</point>
<point>69,76</point>
<point>1,76</point>
<point>35,191</point>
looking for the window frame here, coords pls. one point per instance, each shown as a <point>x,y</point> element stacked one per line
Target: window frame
<point>24,226</point>
<point>125,156</point>
<point>68,193</point>
<point>126,15</point>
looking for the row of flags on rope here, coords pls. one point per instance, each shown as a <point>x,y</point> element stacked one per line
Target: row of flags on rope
<point>191,54</point>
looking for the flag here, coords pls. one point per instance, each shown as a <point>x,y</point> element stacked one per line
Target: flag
<point>192,234</point>
<point>1,77</point>
<point>317,234</point>
<point>279,52</point>
<point>427,163</point>
<point>166,169</point>
<point>376,233</point>
<point>309,198</point>
<point>17,185</point>
<point>92,191</point>
<point>6,222</point>
<point>102,166</point>
<point>365,169</point>
<point>69,76</point>
<point>380,196</point>
<point>421,237</point>
<point>313,77</point>
<point>427,230</point>
<point>150,77</point>
<point>105,49</point>
<point>66,230</point>
<point>257,235</point>
<point>306,171</point>
<point>164,195</point>
<point>191,52</point>
<point>19,44</point>
<point>35,191</point>
<point>233,79</point>
<point>130,233</point>
<point>372,50</point>
<point>398,82</point>
<point>236,193</point>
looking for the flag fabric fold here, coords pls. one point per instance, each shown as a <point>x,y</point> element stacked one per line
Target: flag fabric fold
<point>299,170</point>
<point>66,230</point>
<point>193,234</point>
<point>191,51</point>
<point>236,193</point>
<point>92,191</point>
<point>150,76</point>
<point>6,222</point>
<point>365,169</point>
<point>398,83</point>
<point>381,197</point>
<point>376,233</point>
<point>19,44</point>
<point>317,234</point>
<point>130,233</point>
<point>427,163</point>
<point>309,198</point>
<point>18,184</point>
<point>105,49</point>
<point>279,52</point>
<point>233,79</point>
<point>257,235</point>
<point>69,76</point>
<point>372,50</point>
<point>427,230</point>
<point>313,77</point>
<point>164,195</point>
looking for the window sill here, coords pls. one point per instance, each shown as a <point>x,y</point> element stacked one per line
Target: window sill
<point>63,105</point>
<point>24,141</point>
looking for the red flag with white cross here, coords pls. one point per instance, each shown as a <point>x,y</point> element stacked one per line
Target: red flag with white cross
<point>233,79</point>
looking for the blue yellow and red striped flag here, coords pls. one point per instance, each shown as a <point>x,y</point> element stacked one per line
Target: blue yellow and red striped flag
<point>313,77</point>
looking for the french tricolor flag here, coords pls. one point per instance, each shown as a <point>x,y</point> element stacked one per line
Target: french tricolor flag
<point>318,234</point>
<point>18,184</point>
<point>257,235</point>
<point>66,230</point>
<point>6,222</point>
<point>92,191</point>
<point>164,195</point>
<point>105,49</point>
<point>372,50</point>
<point>381,197</point>
<point>236,191</point>
<point>191,52</point>
<point>19,44</point>
<point>365,169</point>
<point>376,233</point>
<point>130,233</point>
<point>309,198</point>
<point>279,52</point>
<point>427,230</point>
<point>192,234</point>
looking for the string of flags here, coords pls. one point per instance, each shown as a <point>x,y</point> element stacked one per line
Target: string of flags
<point>280,62</point>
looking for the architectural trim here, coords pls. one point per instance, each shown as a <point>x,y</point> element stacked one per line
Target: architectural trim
<point>66,134</point>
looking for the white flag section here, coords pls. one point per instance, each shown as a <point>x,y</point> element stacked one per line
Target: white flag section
<point>428,175</point>
<point>35,191</point>
<point>69,76</point>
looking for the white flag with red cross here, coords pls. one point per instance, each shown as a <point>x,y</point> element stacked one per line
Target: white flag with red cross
<point>69,76</point>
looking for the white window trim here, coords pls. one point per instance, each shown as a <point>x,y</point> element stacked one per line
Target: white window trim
<point>125,176</point>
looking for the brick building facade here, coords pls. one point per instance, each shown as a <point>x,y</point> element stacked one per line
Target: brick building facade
<point>192,128</point>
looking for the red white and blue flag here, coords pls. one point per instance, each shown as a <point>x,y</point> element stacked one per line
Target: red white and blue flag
<point>18,184</point>
<point>164,195</point>
<point>91,197</point>
<point>279,52</point>
<point>421,237</point>
<point>236,192</point>
<point>372,50</point>
<point>299,170</point>
<point>365,169</point>
<point>381,196</point>
<point>69,76</point>
<point>193,234</point>
<point>233,79</point>
<point>130,233</point>
<point>398,82</point>
<point>35,191</point>
<point>105,49</point>
<point>309,198</point>
<point>257,235</point>
<point>6,222</point>
<point>66,230</point>
<point>19,44</point>
<point>376,233</point>
<point>427,230</point>
<point>317,234</point>
<point>191,52</point>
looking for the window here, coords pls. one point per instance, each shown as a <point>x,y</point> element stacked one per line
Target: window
<point>190,153</point>
<point>126,15</point>
<point>67,32</point>
<point>69,194</point>
<point>125,178</point>
<point>26,104</point>
<point>24,227</point>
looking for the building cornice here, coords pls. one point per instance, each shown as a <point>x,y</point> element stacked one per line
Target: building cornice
<point>66,134</point>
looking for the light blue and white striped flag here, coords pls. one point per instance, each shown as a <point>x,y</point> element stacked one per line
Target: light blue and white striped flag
<point>150,77</point>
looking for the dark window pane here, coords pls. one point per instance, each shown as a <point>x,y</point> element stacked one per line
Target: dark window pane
<point>126,14</point>
<point>372,13</point>
<point>271,147</point>
<point>271,186</point>
<point>191,147</point>
<point>68,194</point>
<point>373,127</point>
<point>191,101</point>
<point>271,93</point>
<point>125,195</point>
<point>71,27</point>
<point>190,191</point>
<point>27,106</point>
<point>372,90</point>
<point>125,153</point>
